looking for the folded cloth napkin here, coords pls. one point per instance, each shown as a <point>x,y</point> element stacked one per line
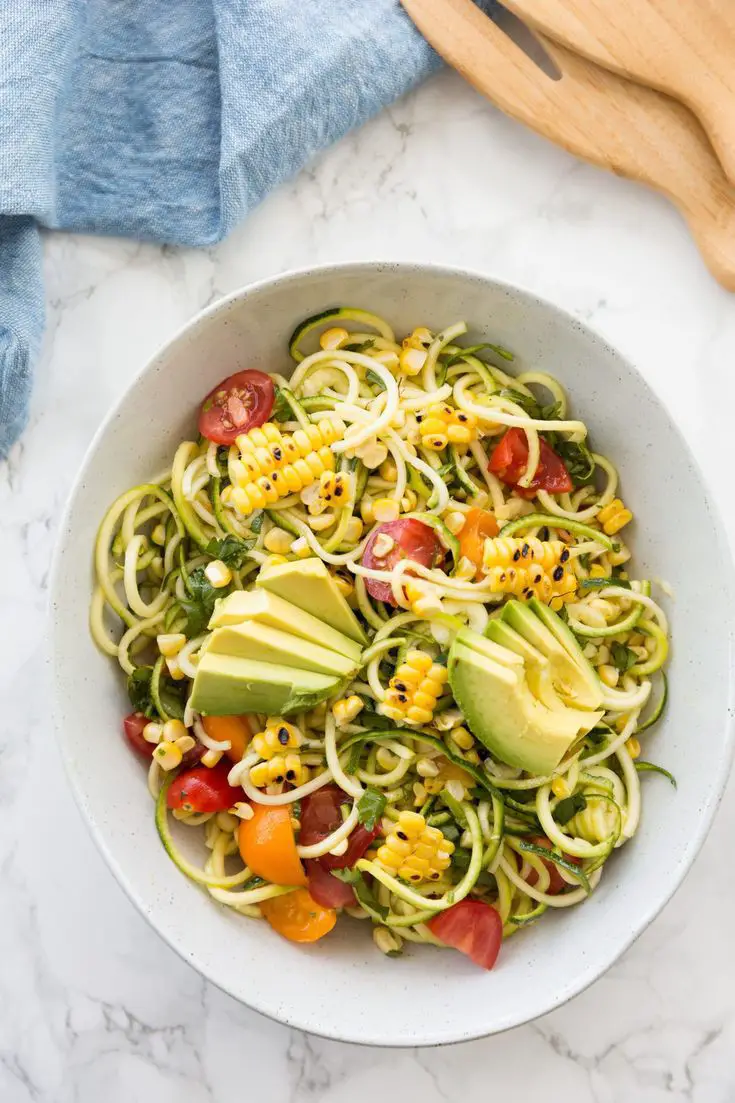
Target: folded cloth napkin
<point>168,120</point>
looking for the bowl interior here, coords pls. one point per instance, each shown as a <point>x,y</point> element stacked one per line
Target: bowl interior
<point>344,988</point>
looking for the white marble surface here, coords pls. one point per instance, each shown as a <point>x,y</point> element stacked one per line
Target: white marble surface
<point>93,1005</point>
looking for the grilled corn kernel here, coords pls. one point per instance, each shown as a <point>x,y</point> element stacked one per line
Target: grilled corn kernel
<point>273,466</point>
<point>373,454</point>
<point>614,517</point>
<point>633,747</point>
<point>426,767</point>
<point>560,788</point>
<point>388,471</point>
<point>243,810</point>
<point>610,675</point>
<point>167,755</point>
<point>153,733</point>
<point>333,338</point>
<point>171,643</point>
<point>387,941</point>
<point>419,339</point>
<point>353,530</point>
<point>186,743</point>
<point>414,689</point>
<point>385,509</point>
<point>300,547</point>
<point>409,501</point>
<point>321,523</point>
<point>414,851</point>
<point>278,540</point>
<point>442,425</point>
<point>598,571</point>
<point>218,574</point>
<point>344,585</point>
<point>455,521</point>
<point>276,738</point>
<point>211,758</point>
<point>411,361</point>
<point>346,709</point>
<point>510,552</point>
<point>528,582</point>
<point>279,769</point>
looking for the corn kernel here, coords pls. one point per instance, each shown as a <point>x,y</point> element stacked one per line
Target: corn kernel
<point>243,810</point>
<point>385,509</point>
<point>426,767</point>
<point>171,643</point>
<point>300,547</point>
<point>344,585</point>
<point>455,521</point>
<point>158,536</point>
<point>175,671</point>
<point>633,747</point>
<point>367,510</point>
<point>388,470</point>
<point>383,545</point>
<point>455,788</point>
<point>152,732</point>
<point>411,361</point>
<point>346,709</point>
<point>211,758</point>
<point>333,338</point>
<point>186,743</point>
<point>413,850</point>
<point>373,454</point>
<point>173,730</point>
<point>459,434</point>
<point>598,571</point>
<point>218,574</point>
<point>353,530</point>
<point>610,675</point>
<point>560,788</point>
<point>278,540</point>
<point>167,755</point>
<point>464,739</point>
<point>387,941</point>
<point>614,517</point>
<point>321,523</point>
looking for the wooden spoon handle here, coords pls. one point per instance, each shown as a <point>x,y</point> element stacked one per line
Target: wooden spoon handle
<point>596,115</point>
<point>684,49</point>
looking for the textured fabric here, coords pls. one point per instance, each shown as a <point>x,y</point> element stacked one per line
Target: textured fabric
<point>168,120</point>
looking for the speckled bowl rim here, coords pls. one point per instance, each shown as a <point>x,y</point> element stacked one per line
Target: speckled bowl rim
<point>587,974</point>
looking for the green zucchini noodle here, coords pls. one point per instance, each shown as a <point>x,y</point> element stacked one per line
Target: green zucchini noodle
<point>416,426</point>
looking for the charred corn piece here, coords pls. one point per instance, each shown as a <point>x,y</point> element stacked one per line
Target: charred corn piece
<point>414,851</point>
<point>273,465</point>
<point>509,552</point>
<point>532,581</point>
<point>614,517</point>
<point>279,769</point>
<point>414,689</point>
<point>275,739</point>
<point>442,425</point>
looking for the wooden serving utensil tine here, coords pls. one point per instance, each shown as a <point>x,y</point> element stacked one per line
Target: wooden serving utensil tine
<point>683,47</point>
<point>595,114</point>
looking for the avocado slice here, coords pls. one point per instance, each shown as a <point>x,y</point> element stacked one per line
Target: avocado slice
<point>489,648</point>
<point>538,668</point>
<point>572,675</point>
<point>226,685</point>
<point>266,608</point>
<point>251,640</point>
<point>308,584</point>
<point>503,713</point>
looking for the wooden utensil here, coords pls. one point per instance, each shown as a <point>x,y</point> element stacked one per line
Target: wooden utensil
<point>683,47</point>
<point>595,114</point>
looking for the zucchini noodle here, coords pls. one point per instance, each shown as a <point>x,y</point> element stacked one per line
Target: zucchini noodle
<point>415,429</point>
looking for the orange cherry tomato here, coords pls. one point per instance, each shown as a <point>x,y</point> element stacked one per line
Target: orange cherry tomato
<point>479,524</point>
<point>267,845</point>
<point>235,728</point>
<point>298,917</point>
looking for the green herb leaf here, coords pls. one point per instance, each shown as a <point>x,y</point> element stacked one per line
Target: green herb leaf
<point>173,697</point>
<point>139,690</point>
<point>360,346</point>
<point>223,452</point>
<point>370,807</point>
<point>199,606</point>
<point>281,409</point>
<point>255,523</point>
<point>349,876</point>
<point>577,459</point>
<point>622,657</point>
<point>584,559</point>
<point>363,892</point>
<point>566,809</point>
<point>472,350</point>
<point>374,379</point>
<point>375,721</point>
<point>231,550</point>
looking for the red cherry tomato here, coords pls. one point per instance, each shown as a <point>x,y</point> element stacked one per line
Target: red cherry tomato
<point>241,402</point>
<point>413,540</point>
<point>203,790</point>
<point>473,927</point>
<point>133,725</point>
<point>556,882</point>
<point>510,459</point>
<point>327,889</point>
<point>320,816</point>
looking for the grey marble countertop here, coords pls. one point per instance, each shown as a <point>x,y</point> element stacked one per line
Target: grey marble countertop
<point>93,1005</point>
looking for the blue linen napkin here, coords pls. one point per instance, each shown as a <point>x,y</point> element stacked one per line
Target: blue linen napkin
<point>169,120</point>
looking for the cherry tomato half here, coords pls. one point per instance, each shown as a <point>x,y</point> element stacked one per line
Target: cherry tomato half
<point>412,540</point>
<point>327,889</point>
<point>267,845</point>
<point>556,882</point>
<point>133,725</point>
<point>510,459</point>
<point>241,402</point>
<point>298,917</point>
<point>473,927</point>
<point>237,729</point>
<point>320,816</point>
<point>203,790</point>
<point>479,524</point>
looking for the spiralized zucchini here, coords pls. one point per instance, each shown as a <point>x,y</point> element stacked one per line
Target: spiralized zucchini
<point>524,844</point>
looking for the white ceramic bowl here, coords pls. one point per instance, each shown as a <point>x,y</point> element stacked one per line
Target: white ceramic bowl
<point>343,988</point>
